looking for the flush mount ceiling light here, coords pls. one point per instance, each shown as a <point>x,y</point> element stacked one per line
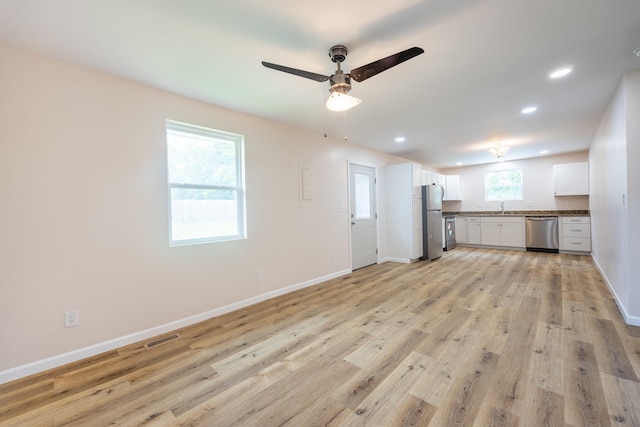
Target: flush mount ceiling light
<point>561,72</point>
<point>400,139</point>
<point>529,110</point>
<point>499,150</point>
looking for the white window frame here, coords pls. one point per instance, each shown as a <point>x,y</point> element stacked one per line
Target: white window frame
<point>238,189</point>
<point>488,194</point>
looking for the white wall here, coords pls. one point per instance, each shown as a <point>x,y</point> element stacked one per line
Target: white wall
<point>84,213</point>
<point>537,175</point>
<point>615,197</point>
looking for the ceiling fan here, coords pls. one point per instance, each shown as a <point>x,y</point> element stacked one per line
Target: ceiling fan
<point>341,82</point>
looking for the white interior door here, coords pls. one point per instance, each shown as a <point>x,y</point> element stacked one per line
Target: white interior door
<point>363,213</point>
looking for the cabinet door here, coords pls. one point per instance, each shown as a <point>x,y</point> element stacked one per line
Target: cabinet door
<point>400,211</point>
<point>473,231</point>
<point>511,235</point>
<point>461,230</point>
<point>490,233</point>
<point>417,229</point>
<point>416,180</point>
<point>571,179</point>
<point>424,177</point>
<point>452,187</point>
<point>427,177</point>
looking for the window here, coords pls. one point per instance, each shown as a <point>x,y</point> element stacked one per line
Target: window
<point>206,184</point>
<point>503,185</point>
<point>363,189</point>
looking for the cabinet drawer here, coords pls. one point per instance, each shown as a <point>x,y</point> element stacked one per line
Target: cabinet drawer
<point>576,230</point>
<point>576,220</point>
<point>473,219</point>
<point>576,244</point>
<point>502,219</point>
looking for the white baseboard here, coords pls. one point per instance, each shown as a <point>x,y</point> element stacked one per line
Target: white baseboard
<point>401,260</point>
<point>631,320</point>
<point>82,353</point>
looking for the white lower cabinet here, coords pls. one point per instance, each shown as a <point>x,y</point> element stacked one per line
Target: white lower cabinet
<point>575,232</point>
<point>461,229</point>
<point>502,231</point>
<point>473,230</point>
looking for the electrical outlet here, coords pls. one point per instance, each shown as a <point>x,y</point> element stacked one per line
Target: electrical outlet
<point>256,276</point>
<point>71,318</point>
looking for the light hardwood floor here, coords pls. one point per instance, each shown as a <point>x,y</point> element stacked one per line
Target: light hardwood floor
<point>478,338</point>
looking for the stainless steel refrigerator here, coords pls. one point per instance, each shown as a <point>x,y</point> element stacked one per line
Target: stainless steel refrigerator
<point>432,196</point>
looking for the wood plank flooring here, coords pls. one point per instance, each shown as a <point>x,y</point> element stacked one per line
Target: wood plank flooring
<point>478,338</point>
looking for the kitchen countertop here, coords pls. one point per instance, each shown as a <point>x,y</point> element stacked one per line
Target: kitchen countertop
<point>518,213</point>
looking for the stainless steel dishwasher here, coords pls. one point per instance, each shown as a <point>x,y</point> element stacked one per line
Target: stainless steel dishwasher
<point>542,233</point>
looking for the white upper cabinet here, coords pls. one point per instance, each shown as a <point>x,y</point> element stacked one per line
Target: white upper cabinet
<point>425,176</point>
<point>452,187</point>
<point>571,179</point>
<point>429,178</point>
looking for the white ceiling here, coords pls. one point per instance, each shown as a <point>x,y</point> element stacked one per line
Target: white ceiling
<point>484,61</point>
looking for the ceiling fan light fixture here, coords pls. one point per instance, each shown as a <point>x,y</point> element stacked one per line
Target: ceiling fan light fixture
<point>339,101</point>
<point>341,82</point>
<point>499,150</point>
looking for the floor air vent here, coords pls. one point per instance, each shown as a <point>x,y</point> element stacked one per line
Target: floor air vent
<point>160,341</point>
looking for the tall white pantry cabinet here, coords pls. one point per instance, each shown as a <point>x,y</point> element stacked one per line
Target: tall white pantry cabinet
<point>404,211</point>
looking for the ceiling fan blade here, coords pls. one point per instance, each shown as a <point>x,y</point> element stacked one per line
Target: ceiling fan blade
<point>362,73</point>
<point>295,71</point>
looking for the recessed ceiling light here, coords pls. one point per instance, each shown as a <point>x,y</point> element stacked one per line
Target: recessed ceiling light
<point>528,110</point>
<point>400,139</point>
<point>459,164</point>
<point>561,72</point>
<point>544,152</point>
<point>637,51</point>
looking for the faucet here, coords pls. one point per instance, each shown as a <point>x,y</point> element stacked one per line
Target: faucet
<point>502,206</point>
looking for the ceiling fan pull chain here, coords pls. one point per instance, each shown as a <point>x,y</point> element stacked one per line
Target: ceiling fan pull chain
<point>346,137</point>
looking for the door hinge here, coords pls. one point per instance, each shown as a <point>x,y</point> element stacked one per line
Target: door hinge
<point>376,215</point>
<point>376,251</point>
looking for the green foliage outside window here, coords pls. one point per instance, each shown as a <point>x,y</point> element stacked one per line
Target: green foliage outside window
<point>205,177</point>
<point>503,185</point>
